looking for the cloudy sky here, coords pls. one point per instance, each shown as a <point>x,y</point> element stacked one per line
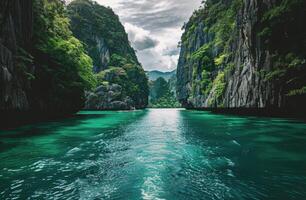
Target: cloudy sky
<point>154,28</point>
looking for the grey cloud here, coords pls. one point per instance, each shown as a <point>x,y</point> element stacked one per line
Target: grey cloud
<point>140,38</point>
<point>153,61</point>
<point>171,13</point>
<point>156,17</point>
<point>147,43</point>
<point>171,52</point>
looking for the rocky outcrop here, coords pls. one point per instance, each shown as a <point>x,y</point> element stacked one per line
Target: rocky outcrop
<point>43,68</point>
<point>249,69</point>
<point>185,67</point>
<point>104,54</point>
<point>172,84</point>
<point>99,28</point>
<point>15,34</point>
<point>122,83</point>
<point>108,97</point>
<point>246,88</point>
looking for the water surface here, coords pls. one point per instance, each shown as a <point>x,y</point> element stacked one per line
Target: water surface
<point>155,154</point>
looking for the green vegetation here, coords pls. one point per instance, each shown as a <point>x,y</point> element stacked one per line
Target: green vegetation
<point>219,21</point>
<point>106,41</point>
<point>161,96</point>
<point>63,70</point>
<point>280,29</point>
<point>128,76</point>
<point>206,83</point>
<point>283,31</point>
<point>219,88</point>
<point>94,25</point>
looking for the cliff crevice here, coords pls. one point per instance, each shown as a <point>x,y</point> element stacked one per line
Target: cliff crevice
<point>16,33</point>
<point>244,54</point>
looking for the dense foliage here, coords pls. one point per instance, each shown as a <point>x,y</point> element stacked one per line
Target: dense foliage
<point>161,95</point>
<point>130,77</point>
<point>283,31</point>
<point>54,64</point>
<point>91,22</point>
<point>106,41</point>
<point>64,71</point>
<point>210,60</point>
<point>280,30</point>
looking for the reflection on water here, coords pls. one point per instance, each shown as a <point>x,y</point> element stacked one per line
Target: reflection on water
<point>155,154</point>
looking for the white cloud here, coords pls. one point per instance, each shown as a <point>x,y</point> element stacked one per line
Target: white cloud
<point>154,28</point>
<point>111,3</point>
<point>155,50</point>
<point>141,39</point>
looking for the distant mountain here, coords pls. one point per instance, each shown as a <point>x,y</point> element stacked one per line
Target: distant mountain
<point>162,86</point>
<point>153,75</point>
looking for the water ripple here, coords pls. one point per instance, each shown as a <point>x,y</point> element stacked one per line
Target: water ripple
<point>161,154</point>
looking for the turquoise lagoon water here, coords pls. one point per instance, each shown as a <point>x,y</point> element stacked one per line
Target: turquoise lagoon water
<point>155,154</point>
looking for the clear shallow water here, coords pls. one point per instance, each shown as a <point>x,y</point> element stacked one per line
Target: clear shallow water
<point>155,154</point>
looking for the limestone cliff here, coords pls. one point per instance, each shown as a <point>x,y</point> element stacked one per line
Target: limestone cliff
<point>43,69</point>
<point>15,34</point>
<point>244,54</point>
<point>115,62</point>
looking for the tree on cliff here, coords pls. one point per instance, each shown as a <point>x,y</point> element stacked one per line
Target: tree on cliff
<point>114,59</point>
<point>48,68</point>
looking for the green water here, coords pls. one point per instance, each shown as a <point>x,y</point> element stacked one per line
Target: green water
<point>155,154</point>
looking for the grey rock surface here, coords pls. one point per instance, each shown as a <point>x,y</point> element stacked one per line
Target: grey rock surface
<point>108,97</point>
<point>245,88</point>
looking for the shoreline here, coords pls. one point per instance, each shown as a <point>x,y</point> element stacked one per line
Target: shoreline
<point>258,112</point>
<point>15,119</point>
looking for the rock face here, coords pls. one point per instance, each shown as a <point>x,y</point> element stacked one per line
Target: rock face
<point>122,83</point>
<point>108,97</point>
<point>104,54</point>
<point>244,54</point>
<point>43,71</point>
<point>172,84</point>
<point>246,88</point>
<point>15,32</point>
